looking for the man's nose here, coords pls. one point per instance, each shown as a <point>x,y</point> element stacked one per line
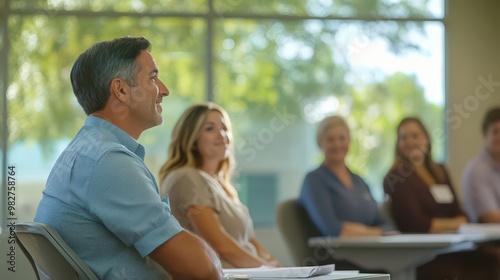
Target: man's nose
<point>163,88</point>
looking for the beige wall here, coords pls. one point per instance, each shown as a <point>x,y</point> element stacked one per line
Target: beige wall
<point>473,47</point>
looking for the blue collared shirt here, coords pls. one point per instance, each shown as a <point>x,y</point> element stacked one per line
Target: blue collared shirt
<point>104,202</point>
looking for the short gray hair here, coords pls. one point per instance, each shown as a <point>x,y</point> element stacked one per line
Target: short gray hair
<point>95,68</point>
<point>328,122</point>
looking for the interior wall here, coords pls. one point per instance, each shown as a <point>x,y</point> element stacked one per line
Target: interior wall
<point>473,48</point>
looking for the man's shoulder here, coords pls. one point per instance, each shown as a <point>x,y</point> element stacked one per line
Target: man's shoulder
<point>478,164</point>
<point>95,144</point>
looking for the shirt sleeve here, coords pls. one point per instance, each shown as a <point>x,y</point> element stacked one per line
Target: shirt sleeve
<point>124,196</point>
<point>318,203</point>
<point>478,192</point>
<point>188,188</point>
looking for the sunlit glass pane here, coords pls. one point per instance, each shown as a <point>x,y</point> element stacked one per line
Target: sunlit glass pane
<point>50,7</point>
<point>370,9</point>
<point>278,79</point>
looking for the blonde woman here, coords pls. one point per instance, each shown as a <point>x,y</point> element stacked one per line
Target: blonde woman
<point>197,180</point>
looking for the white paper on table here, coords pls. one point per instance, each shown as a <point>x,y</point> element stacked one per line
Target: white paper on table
<point>296,272</point>
<point>488,229</point>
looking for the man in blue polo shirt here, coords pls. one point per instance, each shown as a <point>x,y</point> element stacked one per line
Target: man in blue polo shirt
<point>100,196</point>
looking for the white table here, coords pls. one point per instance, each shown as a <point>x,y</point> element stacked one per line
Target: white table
<point>399,255</point>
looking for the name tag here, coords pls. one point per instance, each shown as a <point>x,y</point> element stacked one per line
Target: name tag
<point>442,193</point>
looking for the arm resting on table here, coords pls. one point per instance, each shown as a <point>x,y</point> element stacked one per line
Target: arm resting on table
<point>490,217</point>
<point>441,225</point>
<point>358,229</point>
<point>264,253</point>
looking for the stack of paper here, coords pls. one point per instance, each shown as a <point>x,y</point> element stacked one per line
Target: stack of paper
<point>487,229</point>
<point>280,272</point>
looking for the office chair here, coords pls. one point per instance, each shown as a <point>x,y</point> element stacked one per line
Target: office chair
<point>386,211</point>
<point>49,255</point>
<point>296,228</point>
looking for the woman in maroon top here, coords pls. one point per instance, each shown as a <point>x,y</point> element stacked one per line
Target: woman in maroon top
<point>422,197</point>
<point>422,200</point>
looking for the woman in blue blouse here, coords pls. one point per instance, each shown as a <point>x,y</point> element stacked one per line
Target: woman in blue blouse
<point>338,201</point>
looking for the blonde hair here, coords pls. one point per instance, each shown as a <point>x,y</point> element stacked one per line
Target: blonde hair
<point>328,122</point>
<point>182,151</point>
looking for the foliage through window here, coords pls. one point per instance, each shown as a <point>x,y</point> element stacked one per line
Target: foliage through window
<point>277,66</point>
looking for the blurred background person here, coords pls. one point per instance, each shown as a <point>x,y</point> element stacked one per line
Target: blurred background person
<point>481,176</point>
<point>423,200</point>
<point>338,201</point>
<point>197,179</point>
<point>422,197</point>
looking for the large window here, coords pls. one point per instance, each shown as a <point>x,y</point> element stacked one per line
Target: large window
<point>278,67</point>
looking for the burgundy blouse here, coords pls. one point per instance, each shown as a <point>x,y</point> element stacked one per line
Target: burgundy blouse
<point>412,204</point>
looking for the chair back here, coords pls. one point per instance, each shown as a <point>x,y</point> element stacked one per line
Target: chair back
<point>50,256</point>
<point>385,209</point>
<point>296,228</point>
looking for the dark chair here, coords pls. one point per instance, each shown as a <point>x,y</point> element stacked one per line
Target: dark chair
<point>49,255</point>
<point>296,228</point>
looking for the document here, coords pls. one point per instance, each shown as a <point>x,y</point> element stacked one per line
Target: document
<point>486,229</point>
<point>278,272</point>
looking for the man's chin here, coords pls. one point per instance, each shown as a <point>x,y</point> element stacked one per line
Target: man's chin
<point>156,122</point>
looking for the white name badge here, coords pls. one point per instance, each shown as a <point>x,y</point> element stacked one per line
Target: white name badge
<point>442,193</point>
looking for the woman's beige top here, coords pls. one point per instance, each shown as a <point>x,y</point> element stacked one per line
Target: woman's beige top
<point>188,186</point>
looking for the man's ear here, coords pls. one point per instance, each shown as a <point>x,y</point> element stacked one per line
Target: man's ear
<point>120,89</point>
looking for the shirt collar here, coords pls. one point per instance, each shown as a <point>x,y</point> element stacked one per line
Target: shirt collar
<point>326,169</point>
<point>123,137</point>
